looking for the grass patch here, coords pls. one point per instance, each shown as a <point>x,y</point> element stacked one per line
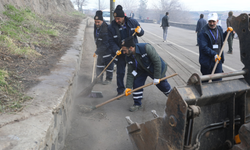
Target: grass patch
<point>77,14</point>
<point>21,31</point>
<point>11,95</point>
<point>30,45</point>
<point>3,75</point>
<point>25,27</point>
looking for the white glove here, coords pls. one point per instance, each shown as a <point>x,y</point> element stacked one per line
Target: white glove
<point>156,81</point>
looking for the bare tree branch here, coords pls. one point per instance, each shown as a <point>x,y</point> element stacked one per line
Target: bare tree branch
<point>142,10</point>
<point>80,3</point>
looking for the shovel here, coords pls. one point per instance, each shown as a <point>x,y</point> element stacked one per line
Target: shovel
<point>88,109</point>
<point>217,62</point>
<point>95,94</point>
<point>87,90</point>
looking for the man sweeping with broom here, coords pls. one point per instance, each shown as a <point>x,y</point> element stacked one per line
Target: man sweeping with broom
<point>103,51</point>
<point>143,61</point>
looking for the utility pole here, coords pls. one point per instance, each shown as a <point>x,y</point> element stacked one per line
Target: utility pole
<point>112,8</point>
<point>99,5</point>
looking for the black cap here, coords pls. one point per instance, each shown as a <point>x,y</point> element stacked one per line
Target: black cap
<point>118,11</point>
<point>98,15</point>
<point>129,42</point>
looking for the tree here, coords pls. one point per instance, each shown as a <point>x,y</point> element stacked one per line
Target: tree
<point>167,5</point>
<point>142,10</point>
<point>103,4</point>
<point>80,4</point>
<point>129,5</point>
<point>176,10</point>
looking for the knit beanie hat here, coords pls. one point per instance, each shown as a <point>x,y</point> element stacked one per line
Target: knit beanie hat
<point>118,11</point>
<point>129,42</point>
<point>98,15</point>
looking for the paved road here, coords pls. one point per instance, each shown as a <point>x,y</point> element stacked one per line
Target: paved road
<point>181,53</point>
<point>105,127</point>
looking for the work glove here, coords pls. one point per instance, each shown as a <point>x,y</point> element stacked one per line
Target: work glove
<point>138,29</point>
<point>216,57</point>
<point>230,29</point>
<point>127,91</point>
<point>156,81</point>
<point>118,52</point>
<point>94,55</point>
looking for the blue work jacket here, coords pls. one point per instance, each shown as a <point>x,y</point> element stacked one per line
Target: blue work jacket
<point>206,57</point>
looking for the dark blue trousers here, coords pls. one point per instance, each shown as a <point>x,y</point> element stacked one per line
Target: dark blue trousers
<point>120,73</point>
<point>102,62</point>
<point>163,86</point>
<point>206,71</point>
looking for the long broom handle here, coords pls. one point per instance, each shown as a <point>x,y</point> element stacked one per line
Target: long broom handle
<point>217,62</point>
<point>99,105</point>
<point>111,60</point>
<point>93,73</point>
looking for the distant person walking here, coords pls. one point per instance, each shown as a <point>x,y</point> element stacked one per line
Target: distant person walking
<point>200,23</point>
<point>231,36</point>
<point>165,25</point>
<point>132,15</point>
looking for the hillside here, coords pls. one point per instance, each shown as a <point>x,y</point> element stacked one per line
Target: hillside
<point>40,6</point>
<point>32,40</point>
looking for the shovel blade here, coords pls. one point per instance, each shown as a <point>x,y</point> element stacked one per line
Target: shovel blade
<point>95,94</point>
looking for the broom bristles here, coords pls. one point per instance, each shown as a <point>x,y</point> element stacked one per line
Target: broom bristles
<point>88,89</point>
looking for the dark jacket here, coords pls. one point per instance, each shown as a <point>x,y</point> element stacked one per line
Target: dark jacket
<point>206,57</point>
<point>164,21</point>
<point>114,33</point>
<point>229,19</point>
<point>147,60</point>
<point>132,15</point>
<point>101,40</point>
<point>200,23</point>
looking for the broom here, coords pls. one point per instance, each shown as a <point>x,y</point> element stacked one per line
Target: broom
<point>87,109</point>
<point>88,90</point>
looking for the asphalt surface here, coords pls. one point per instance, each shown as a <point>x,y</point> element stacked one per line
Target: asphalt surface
<point>105,128</point>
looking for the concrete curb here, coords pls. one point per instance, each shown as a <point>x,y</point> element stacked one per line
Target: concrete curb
<point>43,123</point>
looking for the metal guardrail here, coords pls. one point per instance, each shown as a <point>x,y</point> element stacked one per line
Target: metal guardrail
<point>183,25</point>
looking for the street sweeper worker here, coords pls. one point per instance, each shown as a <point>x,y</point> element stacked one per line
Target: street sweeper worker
<point>119,29</point>
<point>103,51</point>
<point>211,40</point>
<point>143,61</point>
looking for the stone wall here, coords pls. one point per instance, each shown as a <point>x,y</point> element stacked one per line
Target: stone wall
<point>44,123</point>
<point>61,122</point>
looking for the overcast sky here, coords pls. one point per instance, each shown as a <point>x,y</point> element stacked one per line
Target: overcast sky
<point>216,5</point>
<point>197,5</point>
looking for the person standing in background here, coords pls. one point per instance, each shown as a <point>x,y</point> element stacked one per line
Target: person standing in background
<point>165,25</point>
<point>200,23</point>
<point>132,15</point>
<point>231,36</point>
